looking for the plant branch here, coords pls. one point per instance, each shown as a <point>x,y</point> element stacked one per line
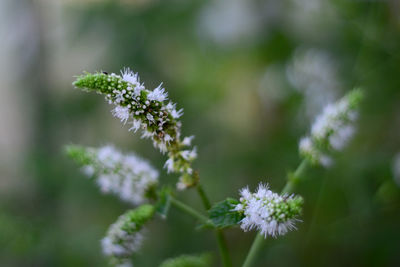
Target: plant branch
<point>292,182</point>
<point>223,249</point>
<point>294,179</point>
<point>189,210</point>
<point>222,246</point>
<point>255,248</point>
<point>203,196</point>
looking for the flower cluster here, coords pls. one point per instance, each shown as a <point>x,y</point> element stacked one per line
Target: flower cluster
<point>332,129</point>
<point>314,73</point>
<point>125,236</point>
<point>268,212</point>
<point>128,176</point>
<point>147,110</point>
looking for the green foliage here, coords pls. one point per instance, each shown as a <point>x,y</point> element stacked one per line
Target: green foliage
<point>203,260</point>
<point>79,154</point>
<point>137,218</point>
<point>222,214</point>
<point>355,97</point>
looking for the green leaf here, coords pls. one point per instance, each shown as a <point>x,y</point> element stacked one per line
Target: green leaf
<point>222,214</point>
<point>164,201</point>
<point>188,261</point>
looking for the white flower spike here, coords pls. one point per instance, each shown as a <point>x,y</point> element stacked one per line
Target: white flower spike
<point>146,110</point>
<point>128,176</point>
<point>332,129</point>
<point>125,236</point>
<point>268,212</point>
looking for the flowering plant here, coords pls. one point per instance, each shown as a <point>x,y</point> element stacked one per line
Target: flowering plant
<point>135,181</point>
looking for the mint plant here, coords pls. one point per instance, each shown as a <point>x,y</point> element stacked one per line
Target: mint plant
<point>135,181</point>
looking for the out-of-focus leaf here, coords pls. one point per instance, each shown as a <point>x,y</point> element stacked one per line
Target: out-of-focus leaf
<point>203,260</point>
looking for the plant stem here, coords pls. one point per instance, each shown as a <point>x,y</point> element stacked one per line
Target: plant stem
<point>291,184</point>
<point>255,247</point>
<point>222,246</point>
<point>223,249</point>
<point>189,210</point>
<point>203,196</point>
<point>295,178</point>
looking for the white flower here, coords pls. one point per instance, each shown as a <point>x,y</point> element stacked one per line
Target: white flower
<point>129,76</point>
<point>147,134</point>
<point>168,138</point>
<point>172,109</point>
<point>158,94</point>
<point>147,111</point>
<point>169,164</point>
<point>127,176</point>
<point>135,125</point>
<point>187,141</point>
<point>332,129</point>
<point>150,117</point>
<point>88,170</point>
<point>122,113</point>
<point>306,145</point>
<point>307,149</point>
<point>314,73</point>
<point>326,160</point>
<point>268,212</point>
<point>131,244</point>
<point>125,236</point>
<point>161,146</point>
<point>218,22</point>
<point>180,185</point>
<point>341,137</point>
<point>132,78</point>
<point>176,114</point>
<point>189,155</point>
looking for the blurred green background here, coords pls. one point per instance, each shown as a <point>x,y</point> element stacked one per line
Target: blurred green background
<point>251,76</point>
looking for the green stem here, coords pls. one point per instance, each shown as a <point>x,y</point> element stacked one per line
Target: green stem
<point>294,179</point>
<point>255,248</point>
<point>291,184</point>
<point>223,249</point>
<point>189,210</point>
<point>222,246</point>
<point>203,196</point>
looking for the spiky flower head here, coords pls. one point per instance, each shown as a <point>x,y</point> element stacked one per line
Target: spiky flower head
<point>125,236</point>
<point>147,110</point>
<point>128,176</point>
<point>268,212</point>
<point>332,129</point>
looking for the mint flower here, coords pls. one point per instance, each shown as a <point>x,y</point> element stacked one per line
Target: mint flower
<point>125,236</point>
<point>332,129</point>
<point>128,176</point>
<point>268,212</point>
<point>146,110</point>
<point>314,73</point>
